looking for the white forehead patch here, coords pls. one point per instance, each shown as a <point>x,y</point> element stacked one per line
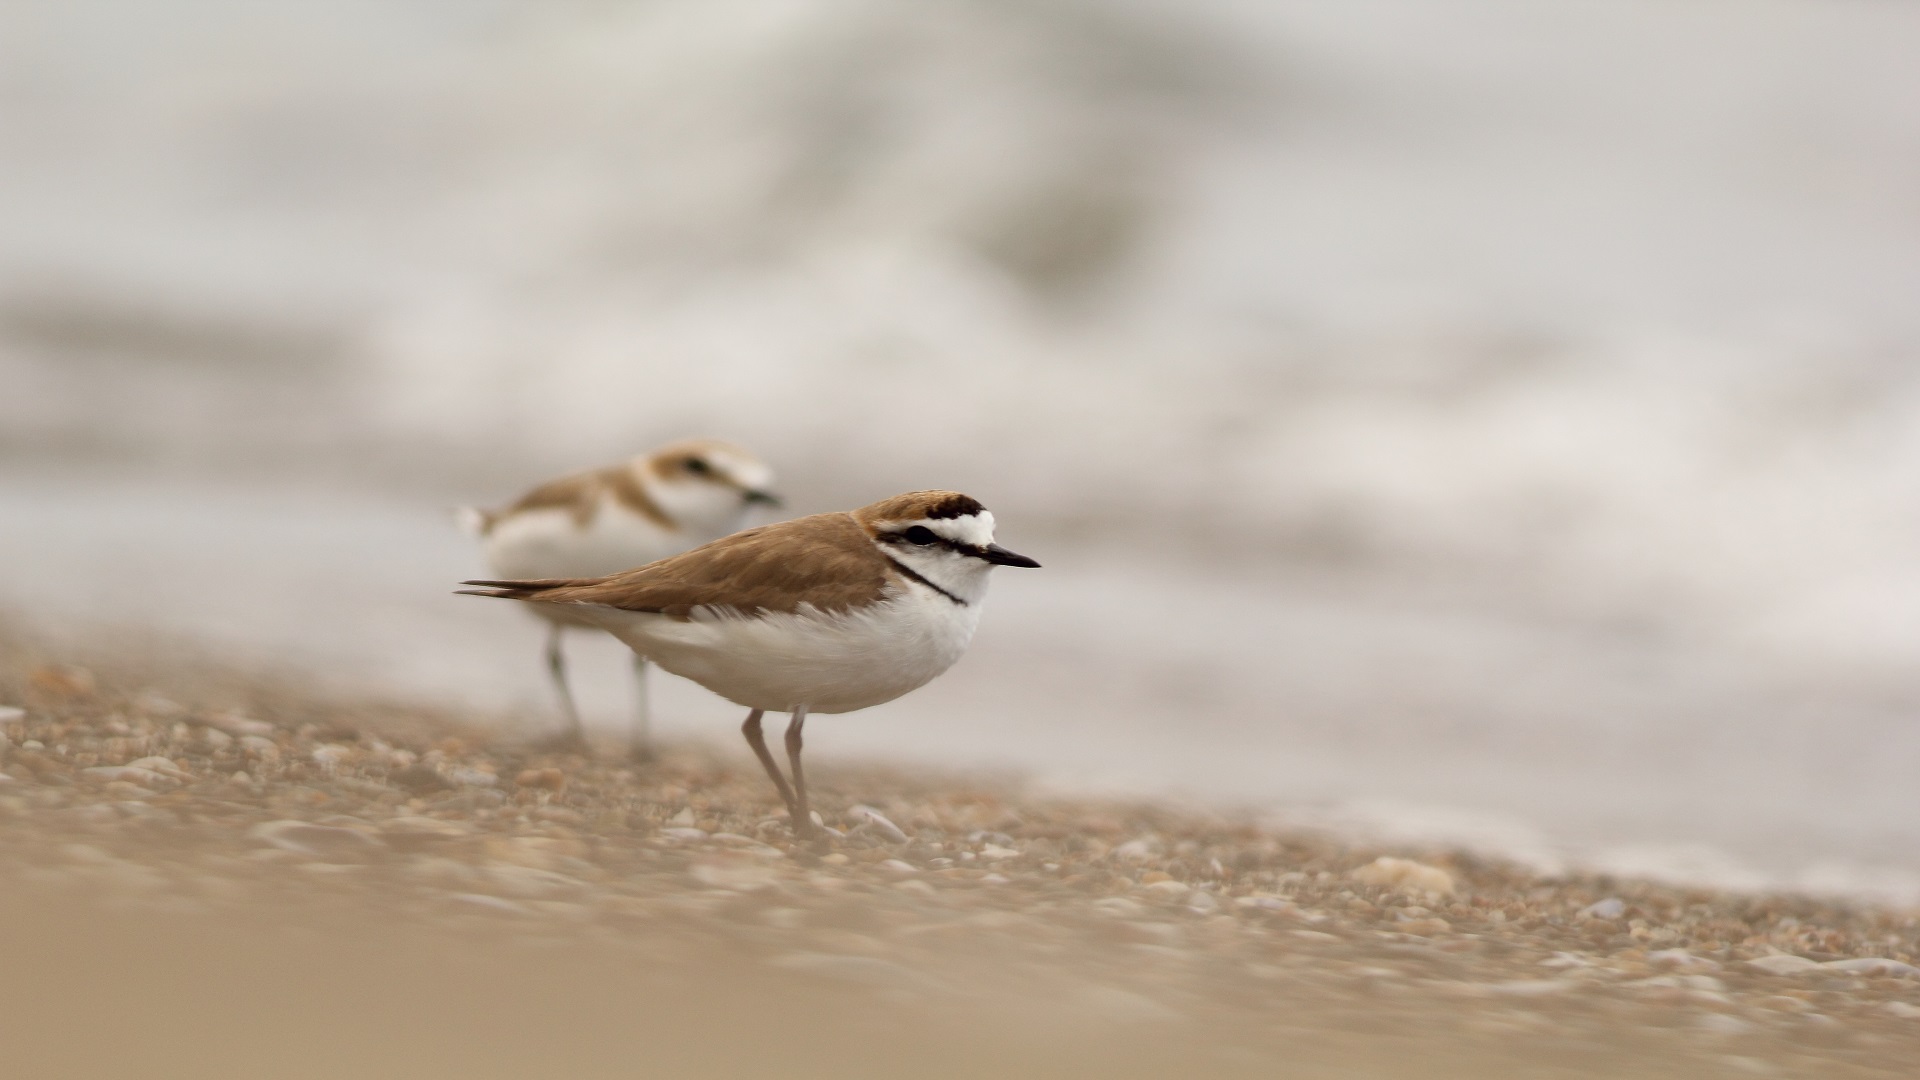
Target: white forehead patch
<point>973,530</point>
<point>749,474</point>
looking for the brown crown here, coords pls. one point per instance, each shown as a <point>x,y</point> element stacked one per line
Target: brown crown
<point>920,505</point>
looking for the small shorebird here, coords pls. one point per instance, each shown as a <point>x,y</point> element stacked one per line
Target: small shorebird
<point>626,515</point>
<point>827,614</point>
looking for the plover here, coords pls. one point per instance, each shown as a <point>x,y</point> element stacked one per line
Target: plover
<point>612,519</point>
<point>821,614</point>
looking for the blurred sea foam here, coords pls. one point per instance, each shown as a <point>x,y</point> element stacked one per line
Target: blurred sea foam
<point>1522,395</point>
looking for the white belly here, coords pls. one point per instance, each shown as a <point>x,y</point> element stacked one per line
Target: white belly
<point>829,663</point>
<point>550,544</point>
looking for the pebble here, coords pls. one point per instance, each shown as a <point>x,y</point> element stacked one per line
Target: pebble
<point>1903,1010</point>
<point>238,724</point>
<point>1527,987</point>
<point>879,821</point>
<point>1611,908</point>
<point>530,881</point>
<point>163,766</point>
<point>490,903</point>
<point>10,713</point>
<point>1405,875</point>
<point>1783,964</point>
<point>438,869</point>
<point>425,827</point>
<point>735,875</point>
<point>684,833</point>
<point>1168,887</point>
<point>160,707</point>
<point>995,853</point>
<point>550,779</point>
<point>1681,958</point>
<point>1723,1024</point>
<point>476,778</point>
<point>330,755</point>
<point>132,774</point>
<point>319,841</point>
<point>419,779</point>
<point>260,746</point>
<point>1679,982</point>
<point>1873,965</point>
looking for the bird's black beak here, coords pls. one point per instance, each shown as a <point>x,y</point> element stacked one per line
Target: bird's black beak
<point>994,553</point>
<point>764,498</point>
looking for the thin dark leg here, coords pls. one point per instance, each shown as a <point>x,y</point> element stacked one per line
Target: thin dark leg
<point>802,817</point>
<point>641,747</point>
<point>557,667</point>
<point>751,729</point>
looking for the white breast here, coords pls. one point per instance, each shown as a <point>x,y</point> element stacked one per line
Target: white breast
<point>829,663</point>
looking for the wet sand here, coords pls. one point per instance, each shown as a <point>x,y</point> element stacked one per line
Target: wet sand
<point>218,872</point>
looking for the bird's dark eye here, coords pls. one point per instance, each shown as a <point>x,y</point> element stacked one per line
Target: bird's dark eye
<point>698,466</point>
<point>921,535</point>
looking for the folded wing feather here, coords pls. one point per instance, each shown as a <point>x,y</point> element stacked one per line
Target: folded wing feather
<point>826,561</point>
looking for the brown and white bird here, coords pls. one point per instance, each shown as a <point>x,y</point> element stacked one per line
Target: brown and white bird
<point>822,614</point>
<point>626,515</point>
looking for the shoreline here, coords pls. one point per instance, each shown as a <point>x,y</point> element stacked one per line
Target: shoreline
<point>1066,925</point>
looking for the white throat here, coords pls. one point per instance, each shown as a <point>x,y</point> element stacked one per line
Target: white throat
<point>699,507</point>
<point>961,577</point>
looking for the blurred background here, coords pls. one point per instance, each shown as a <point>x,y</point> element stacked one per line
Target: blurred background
<point>1469,420</point>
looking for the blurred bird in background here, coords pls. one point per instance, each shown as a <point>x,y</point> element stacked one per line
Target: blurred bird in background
<point>595,523</point>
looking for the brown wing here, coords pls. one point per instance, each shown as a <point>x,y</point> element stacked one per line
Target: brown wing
<point>826,560</point>
<point>580,493</point>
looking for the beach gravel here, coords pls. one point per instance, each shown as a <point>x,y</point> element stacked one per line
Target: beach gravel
<point>969,894</point>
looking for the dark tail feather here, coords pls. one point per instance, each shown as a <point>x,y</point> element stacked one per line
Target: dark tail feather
<point>520,590</point>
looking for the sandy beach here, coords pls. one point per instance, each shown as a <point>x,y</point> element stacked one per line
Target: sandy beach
<point>238,874</point>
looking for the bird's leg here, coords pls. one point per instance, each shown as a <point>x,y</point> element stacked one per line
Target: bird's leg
<point>751,729</point>
<point>802,817</point>
<point>557,667</point>
<point>641,746</point>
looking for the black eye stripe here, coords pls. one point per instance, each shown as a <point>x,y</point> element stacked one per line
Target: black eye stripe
<point>921,536</point>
